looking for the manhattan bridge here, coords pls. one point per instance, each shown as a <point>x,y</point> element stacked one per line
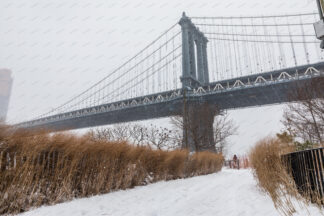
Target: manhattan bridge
<point>225,62</point>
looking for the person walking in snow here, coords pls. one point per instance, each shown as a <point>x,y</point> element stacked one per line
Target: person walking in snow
<point>235,162</point>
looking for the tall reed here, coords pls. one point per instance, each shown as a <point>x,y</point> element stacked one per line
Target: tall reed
<point>274,176</point>
<point>38,169</point>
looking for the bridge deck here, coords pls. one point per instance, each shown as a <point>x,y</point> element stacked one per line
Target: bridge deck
<point>254,90</point>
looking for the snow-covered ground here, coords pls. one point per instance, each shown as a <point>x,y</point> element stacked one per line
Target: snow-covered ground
<point>227,193</point>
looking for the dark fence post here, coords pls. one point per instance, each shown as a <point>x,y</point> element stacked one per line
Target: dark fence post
<point>307,170</point>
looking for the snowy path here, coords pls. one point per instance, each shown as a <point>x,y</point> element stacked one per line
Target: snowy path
<point>227,193</point>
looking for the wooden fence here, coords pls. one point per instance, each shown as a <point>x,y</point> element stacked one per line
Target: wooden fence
<point>307,169</point>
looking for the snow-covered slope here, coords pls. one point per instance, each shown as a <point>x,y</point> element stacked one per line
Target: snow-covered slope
<point>227,193</point>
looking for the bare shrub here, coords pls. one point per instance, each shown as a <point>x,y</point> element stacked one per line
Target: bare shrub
<point>38,169</point>
<point>304,119</point>
<point>223,128</point>
<point>162,138</point>
<point>139,135</point>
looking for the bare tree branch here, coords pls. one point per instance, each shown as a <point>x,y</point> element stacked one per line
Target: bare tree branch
<point>304,119</point>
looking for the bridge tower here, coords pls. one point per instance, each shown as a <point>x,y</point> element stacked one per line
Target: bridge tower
<point>198,117</point>
<point>194,55</point>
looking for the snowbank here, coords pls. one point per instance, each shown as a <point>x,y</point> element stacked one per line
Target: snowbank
<point>229,192</point>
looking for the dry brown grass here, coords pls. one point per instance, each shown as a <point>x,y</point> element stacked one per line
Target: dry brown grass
<point>273,176</point>
<point>48,169</point>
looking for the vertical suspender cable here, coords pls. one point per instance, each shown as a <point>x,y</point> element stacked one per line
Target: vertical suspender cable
<point>174,67</point>
<point>230,69</point>
<point>225,47</point>
<point>238,47</point>
<point>213,55</point>
<point>282,59</point>
<point>269,51</point>
<point>221,56</point>
<point>249,64</point>
<point>217,59</point>
<point>292,44</point>
<point>234,48</point>
<point>304,41</point>
<point>159,72</point>
<point>257,54</point>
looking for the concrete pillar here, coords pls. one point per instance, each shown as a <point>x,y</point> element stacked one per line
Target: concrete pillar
<point>198,127</point>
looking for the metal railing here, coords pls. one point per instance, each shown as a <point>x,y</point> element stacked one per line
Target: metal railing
<point>307,170</point>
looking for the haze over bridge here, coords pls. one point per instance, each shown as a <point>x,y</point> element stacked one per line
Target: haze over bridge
<point>227,62</point>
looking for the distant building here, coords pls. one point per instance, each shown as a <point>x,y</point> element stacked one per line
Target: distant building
<point>5,91</point>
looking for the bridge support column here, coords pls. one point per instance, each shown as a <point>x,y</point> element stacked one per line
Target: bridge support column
<point>205,60</point>
<point>194,48</point>
<point>198,134</point>
<point>200,61</point>
<point>189,77</point>
<point>185,25</point>
<point>198,119</point>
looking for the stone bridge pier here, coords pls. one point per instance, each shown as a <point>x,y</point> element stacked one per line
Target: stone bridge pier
<point>198,130</point>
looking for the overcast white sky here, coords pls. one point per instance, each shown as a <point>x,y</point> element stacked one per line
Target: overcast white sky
<point>56,48</point>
